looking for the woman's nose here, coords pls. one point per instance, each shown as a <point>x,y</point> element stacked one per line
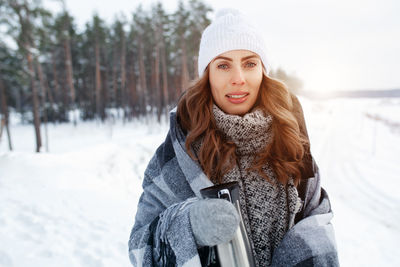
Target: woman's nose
<point>237,76</point>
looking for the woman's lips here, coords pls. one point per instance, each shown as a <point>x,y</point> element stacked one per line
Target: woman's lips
<point>237,98</point>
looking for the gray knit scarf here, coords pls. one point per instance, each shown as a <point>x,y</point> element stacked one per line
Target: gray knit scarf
<point>268,208</point>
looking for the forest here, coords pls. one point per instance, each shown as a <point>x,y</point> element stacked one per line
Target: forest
<point>53,72</point>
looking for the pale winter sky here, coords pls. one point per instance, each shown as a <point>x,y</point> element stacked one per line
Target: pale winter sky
<point>329,44</point>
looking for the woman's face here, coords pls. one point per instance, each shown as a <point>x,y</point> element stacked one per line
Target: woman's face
<point>235,78</point>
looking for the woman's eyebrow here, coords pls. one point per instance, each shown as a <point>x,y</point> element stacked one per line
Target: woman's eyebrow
<point>224,58</point>
<point>246,58</point>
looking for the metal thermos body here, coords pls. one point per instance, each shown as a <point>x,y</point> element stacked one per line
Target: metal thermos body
<point>238,251</point>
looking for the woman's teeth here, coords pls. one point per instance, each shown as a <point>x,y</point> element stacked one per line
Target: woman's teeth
<point>237,96</point>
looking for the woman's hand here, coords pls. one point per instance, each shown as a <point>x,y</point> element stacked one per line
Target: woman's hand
<point>214,221</point>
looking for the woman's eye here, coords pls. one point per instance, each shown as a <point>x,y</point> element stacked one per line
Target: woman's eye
<point>251,64</point>
<point>222,66</point>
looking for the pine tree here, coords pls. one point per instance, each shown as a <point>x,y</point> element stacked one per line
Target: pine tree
<point>181,29</point>
<point>132,56</point>
<point>198,21</point>
<point>4,111</point>
<point>140,23</point>
<point>98,35</point>
<point>26,15</point>
<point>119,73</point>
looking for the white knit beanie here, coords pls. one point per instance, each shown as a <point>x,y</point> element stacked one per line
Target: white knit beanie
<point>230,30</point>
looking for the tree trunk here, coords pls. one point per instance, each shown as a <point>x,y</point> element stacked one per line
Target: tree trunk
<point>35,106</point>
<point>132,89</point>
<point>55,77</point>
<point>142,81</point>
<point>158,93</point>
<point>114,78</point>
<point>42,94</point>
<point>104,91</point>
<point>68,67</point>
<point>64,96</point>
<point>4,111</point>
<point>70,76</point>
<point>123,75</point>
<point>164,77</point>
<point>177,84</point>
<point>2,125</point>
<point>184,67</point>
<point>98,80</point>
<point>152,89</point>
<point>44,84</point>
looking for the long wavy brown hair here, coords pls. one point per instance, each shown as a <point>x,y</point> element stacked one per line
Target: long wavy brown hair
<point>217,154</point>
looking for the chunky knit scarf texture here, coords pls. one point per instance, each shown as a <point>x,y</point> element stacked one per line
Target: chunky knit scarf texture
<point>268,207</point>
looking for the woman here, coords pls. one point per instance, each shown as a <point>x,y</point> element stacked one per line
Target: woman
<point>234,124</point>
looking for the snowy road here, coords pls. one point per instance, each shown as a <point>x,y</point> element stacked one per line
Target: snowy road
<point>75,205</point>
<point>359,163</point>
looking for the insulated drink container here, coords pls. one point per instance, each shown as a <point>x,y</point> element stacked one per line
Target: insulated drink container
<point>238,251</point>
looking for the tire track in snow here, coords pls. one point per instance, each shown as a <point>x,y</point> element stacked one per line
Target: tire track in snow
<point>369,201</point>
<point>340,151</point>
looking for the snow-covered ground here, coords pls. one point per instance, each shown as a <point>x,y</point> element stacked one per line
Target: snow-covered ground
<point>75,205</point>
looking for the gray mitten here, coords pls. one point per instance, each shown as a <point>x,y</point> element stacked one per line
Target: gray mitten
<point>214,221</point>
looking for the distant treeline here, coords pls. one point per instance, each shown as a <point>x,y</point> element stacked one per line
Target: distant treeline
<point>138,65</point>
<point>353,94</point>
